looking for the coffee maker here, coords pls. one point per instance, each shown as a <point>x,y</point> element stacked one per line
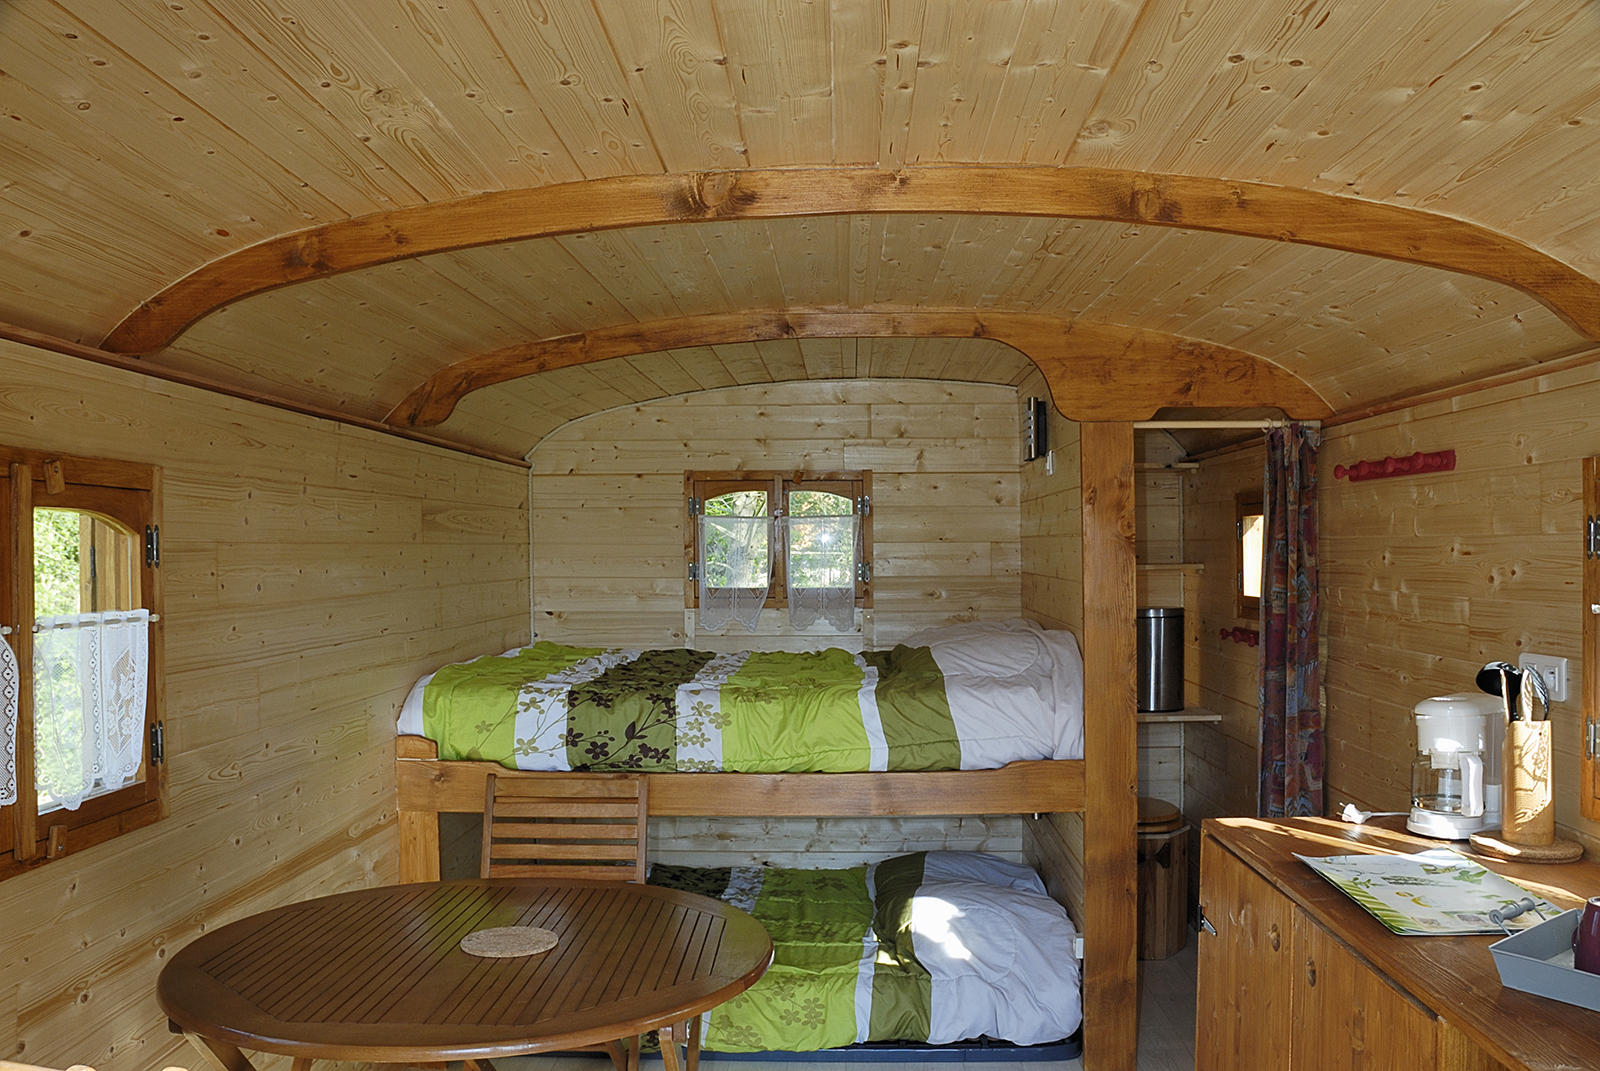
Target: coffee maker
<point>1455,777</point>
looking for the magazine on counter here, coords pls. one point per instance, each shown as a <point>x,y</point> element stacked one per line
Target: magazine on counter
<point>1434,892</point>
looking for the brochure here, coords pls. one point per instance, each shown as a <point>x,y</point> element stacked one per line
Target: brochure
<point>1432,892</point>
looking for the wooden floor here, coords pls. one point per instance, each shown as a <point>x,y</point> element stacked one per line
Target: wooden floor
<point>1166,1036</point>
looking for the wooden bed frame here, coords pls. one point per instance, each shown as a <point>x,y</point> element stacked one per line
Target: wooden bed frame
<point>1104,790</point>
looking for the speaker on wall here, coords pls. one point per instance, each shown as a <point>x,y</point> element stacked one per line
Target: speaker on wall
<point>1035,429</point>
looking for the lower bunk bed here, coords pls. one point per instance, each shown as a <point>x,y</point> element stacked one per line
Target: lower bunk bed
<point>931,948</point>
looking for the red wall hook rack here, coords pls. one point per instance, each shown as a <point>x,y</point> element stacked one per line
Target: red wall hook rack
<point>1240,635</point>
<point>1416,464</point>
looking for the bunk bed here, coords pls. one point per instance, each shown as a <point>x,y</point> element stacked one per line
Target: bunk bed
<point>979,718</point>
<point>1103,791</point>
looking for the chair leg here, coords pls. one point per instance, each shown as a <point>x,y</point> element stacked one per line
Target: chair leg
<point>669,1036</point>
<point>694,1044</point>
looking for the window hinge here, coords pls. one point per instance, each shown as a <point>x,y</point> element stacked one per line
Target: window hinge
<point>1592,538</point>
<point>694,507</point>
<point>694,570</point>
<point>864,505</point>
<point>1591,738</point>
<point>864,572</point>
<point>158,744</point>
<point>152,546</point>
<point>1205,923</point>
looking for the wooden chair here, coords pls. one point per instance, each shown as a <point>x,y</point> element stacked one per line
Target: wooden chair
<point>568,825</point>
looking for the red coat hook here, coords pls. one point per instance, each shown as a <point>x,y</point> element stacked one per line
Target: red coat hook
<point>1415,465</point>
<point>1240,635</point>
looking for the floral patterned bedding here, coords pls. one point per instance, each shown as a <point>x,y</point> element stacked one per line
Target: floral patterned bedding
<point>929,707</point>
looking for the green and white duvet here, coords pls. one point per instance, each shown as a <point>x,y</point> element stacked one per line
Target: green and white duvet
<point>971,697</point>
<point>935,947</point>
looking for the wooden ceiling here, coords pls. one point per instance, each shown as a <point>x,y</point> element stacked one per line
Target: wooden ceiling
<point>328,203</point>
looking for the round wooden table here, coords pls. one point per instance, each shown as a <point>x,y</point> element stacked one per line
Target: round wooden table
<point>378,975</point>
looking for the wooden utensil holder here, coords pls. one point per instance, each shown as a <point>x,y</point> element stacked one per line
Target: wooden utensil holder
<point>1529,815</point>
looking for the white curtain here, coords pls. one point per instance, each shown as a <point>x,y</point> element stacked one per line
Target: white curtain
<point>10,689</point>
<point>90,675</point>
<point>820,554</point>
<point>735,570</point>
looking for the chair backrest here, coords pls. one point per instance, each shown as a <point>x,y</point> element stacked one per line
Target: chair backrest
<point>564,825</point>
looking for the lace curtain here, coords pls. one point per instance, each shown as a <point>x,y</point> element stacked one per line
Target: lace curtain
<point>735,570</point>
<point>90,675</point>
<point>821,556</point>
<point>10,684</point>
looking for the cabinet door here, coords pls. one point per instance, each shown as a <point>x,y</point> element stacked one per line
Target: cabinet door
<point>1346,1016</point>
<point>1245,978</point>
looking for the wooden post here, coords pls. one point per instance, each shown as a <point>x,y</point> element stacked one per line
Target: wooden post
<point>1110,743</point>
<point>419,846</point>
<point>26,832</point>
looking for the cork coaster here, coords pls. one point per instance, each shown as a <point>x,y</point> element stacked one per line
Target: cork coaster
<point>504,942</point>
<point>1490,844</point>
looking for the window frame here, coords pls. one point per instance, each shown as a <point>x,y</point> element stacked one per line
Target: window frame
<point>128,493</point>
<point>1589,745</point>
<point>701,487</point>
<point>1245,504</point>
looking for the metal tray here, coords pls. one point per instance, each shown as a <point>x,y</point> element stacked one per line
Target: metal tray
<point>1539,960</point>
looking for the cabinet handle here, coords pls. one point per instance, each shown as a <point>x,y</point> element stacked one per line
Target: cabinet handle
<point>1311,973</point>
<point>1272,935</point>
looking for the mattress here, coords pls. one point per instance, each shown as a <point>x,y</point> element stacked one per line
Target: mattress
<point>973,696</point>
<point>932,947</point>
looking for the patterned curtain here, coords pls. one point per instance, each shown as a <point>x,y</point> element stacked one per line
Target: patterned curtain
<point>10,690</point>
<point>1291,673</point>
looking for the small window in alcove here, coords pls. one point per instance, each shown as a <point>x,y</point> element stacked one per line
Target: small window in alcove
<point>1250,528</point>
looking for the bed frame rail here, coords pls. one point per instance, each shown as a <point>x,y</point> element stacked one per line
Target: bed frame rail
<point>428,786</point>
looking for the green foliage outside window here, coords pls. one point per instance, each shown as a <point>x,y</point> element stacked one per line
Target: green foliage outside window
<point>737,556</point>
<point>821,555</point>
<point>55,562</point>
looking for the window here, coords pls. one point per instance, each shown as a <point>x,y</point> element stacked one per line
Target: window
<point>80,599</point>
<point>1250,526</point>
<point>801,541</point>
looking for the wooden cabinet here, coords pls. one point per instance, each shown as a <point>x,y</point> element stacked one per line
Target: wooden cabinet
<point>1243,1002</point>
<point>1297,977</point>
<point>1347,1016</point>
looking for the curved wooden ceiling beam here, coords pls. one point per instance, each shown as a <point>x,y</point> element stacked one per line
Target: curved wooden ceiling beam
<point>1281,213</point>
<point>1096,371</point>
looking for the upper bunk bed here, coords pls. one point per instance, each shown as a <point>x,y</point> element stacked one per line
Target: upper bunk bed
<point>984,718</point>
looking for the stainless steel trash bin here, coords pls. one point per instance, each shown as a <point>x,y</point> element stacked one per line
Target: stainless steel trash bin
<point>1160,658</point>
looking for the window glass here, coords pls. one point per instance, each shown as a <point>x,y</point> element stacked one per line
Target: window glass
<point>1253,526</point>
<point>90,658</point>
<point>737,541</point>
<point>822,551</point>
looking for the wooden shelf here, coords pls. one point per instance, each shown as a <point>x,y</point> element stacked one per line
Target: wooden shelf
<point>1187,714</point>
<point>1182,567</point>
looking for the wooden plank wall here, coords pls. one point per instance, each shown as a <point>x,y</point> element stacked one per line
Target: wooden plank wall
<point>609,518</point>
<point>608,523</point>
<point>312,573</point>
<point>1052,594</point>
<point>1220,759</point>
<point>1427,578</point>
